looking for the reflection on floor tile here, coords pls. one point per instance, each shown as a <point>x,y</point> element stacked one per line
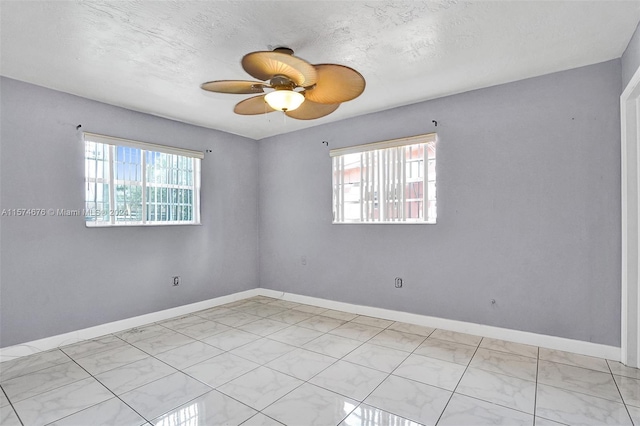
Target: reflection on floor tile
<point>365,415</point>
<point>163,395</point>
<point>212,408</point>
<point>61,402</point>
<point>163,343</point>
<point>620,369</point>
<point>431,371</point>
<point>541,421</point>
<point>130,376</point>
<point>409,399</point>
<point>500,362</point>
<point>260,387</point>
<point>452,336</point>
<point>507,391</point>
<point>263,310</point>
<point>309,309</point>
<point>93,346</point>
<point>509,347</point>
<point>291,316</point>
<point>263,350</point>
<point>463,410</point>
<point>340,315</point>
<point>110,412</point>
<point>404,327</point>
<point>398,340</point>
<point>355,331</point>
<point>578,379</point>
<point>351,380</point>
<point>203,329</point>
<point>284,303</point>
<point>321,323</point>
<point>138,334</point>
<point>634,412</point>
<point>237,319</point>
<point>576,408</point>
<point>270,362</point>
<point>31,363</point>
<point>378,357</point>
<point>213,313</point>
<point>334,346</point>
<point>311,405</point>
<point>40,381</point>
<point>446,351</point>
<point>264,327</point>
<point>261,420</point>
<point>181,322</point>
<point>295,335</point>
<point>188,355</point>
<point>375,322</point>
<point>221,369</point>
<point>301,363</point>
<point>113,358</point>
<point>8,417</point>
<point>630,390</point>
<point>576,360</point>
<point>3,399</point>
<point>230,339</point>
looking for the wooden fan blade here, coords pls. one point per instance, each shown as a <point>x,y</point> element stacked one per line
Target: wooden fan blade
<point>253,106</point>
<point>234,86</point>
<point>266,65</point>
<point>310,110</point>
<point>336,84</point>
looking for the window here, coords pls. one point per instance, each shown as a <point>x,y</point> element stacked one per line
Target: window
<point>386,182</point>
<point>136,183</point>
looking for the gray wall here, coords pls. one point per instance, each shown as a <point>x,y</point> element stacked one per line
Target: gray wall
<point>58,276</point>
<point>631,58</point>
<point>528,210</point>
<point>528,194</point>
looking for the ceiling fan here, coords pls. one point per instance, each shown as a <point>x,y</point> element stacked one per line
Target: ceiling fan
<point>301,90</point>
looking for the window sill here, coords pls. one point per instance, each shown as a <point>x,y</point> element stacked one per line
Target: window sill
<point>383,223</point>
<point>140,225</point>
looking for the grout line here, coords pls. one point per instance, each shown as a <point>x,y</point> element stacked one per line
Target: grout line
<point>112,392</point>
<point>40,369</point>
<point>389,374</point>
<point>620,393</point>
<point>324,369</point>
<point>460,380</point>
<point>11,405</point>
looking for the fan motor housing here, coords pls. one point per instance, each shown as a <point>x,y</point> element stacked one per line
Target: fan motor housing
<point>282,82</point>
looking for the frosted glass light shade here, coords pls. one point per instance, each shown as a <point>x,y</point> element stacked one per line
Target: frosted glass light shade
<point>284,100</point>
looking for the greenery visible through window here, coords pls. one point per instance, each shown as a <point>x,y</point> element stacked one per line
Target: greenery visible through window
<point>133,183</point>
<point>386,182</point>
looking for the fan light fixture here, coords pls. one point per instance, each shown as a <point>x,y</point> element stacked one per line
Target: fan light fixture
<point>299,89</point>
<point>284,100</point>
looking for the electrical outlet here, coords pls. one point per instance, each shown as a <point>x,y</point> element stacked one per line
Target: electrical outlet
<point>398,282</point>
<point>176,281</point>
<point>303,260</point>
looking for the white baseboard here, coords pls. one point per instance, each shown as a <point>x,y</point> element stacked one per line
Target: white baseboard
<point>552,342</point>
<point>12,352</point>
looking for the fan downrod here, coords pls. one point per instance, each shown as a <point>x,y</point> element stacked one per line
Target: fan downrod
<point>284,50</point>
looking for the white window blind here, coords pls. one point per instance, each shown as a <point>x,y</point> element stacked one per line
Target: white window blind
<point>137,183</point>
<point>386,182</point>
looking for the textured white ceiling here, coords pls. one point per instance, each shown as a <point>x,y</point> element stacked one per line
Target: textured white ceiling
<point>152,56</point>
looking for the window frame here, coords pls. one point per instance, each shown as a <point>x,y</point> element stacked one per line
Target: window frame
<point>112,144</point>
<point>393,180</point>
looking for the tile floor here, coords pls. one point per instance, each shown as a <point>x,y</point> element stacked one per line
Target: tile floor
<point>264,361</point>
